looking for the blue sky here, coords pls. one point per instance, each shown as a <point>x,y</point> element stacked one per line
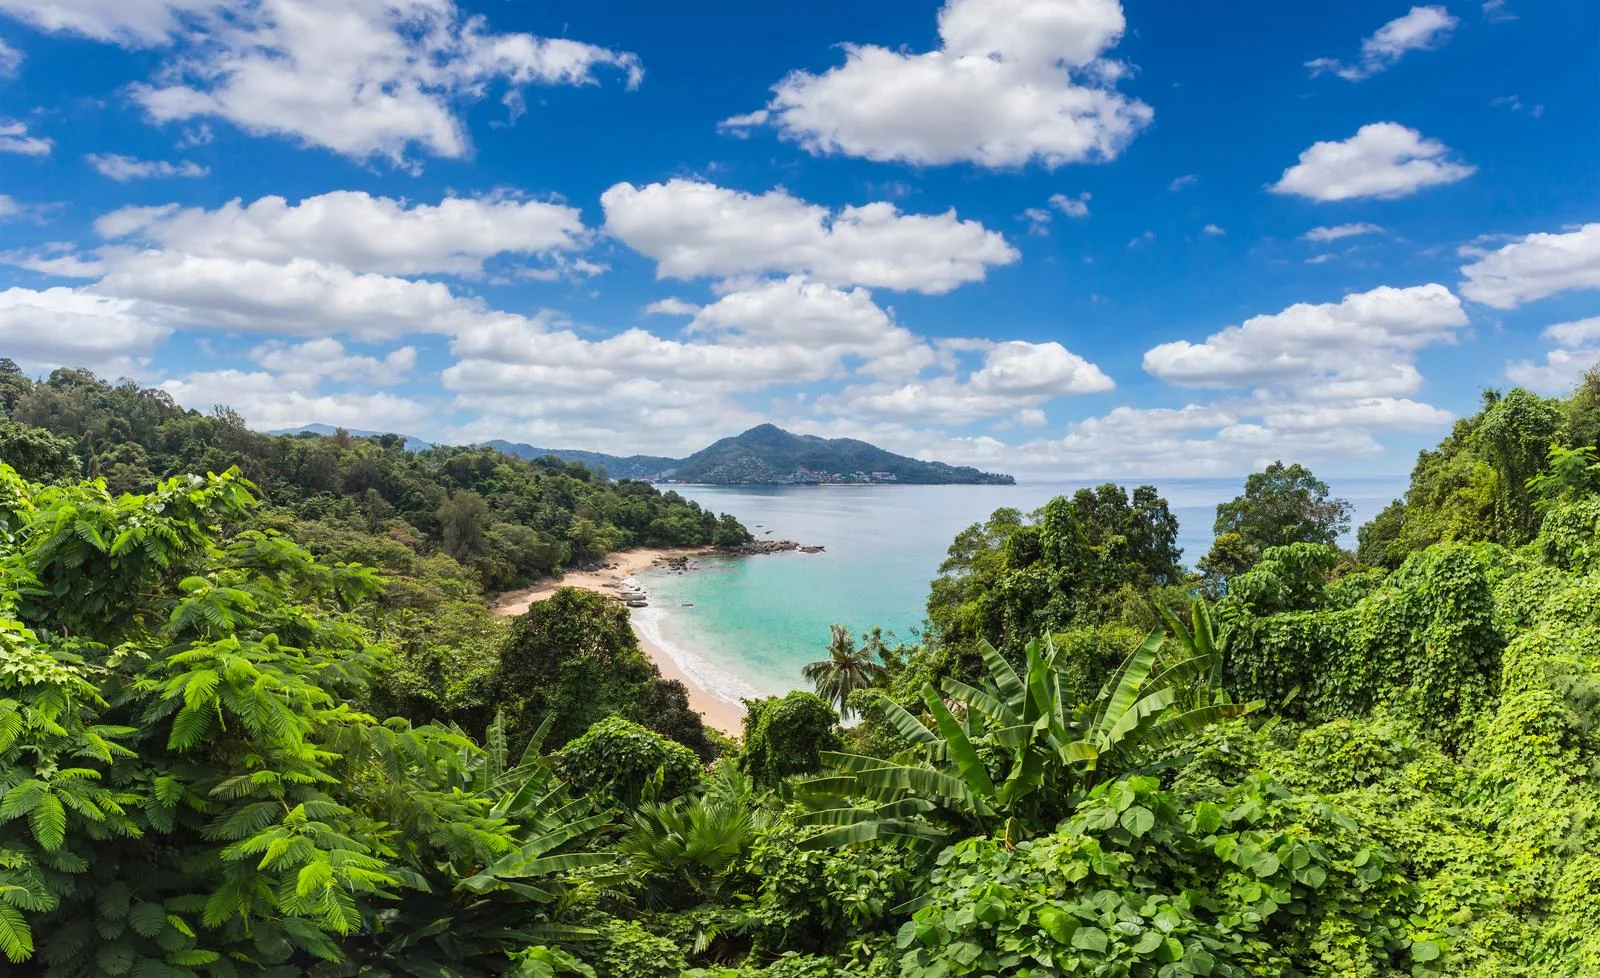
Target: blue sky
<point>1053,237</point>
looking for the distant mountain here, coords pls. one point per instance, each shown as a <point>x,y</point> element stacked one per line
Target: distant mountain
<point>764,455</point>
<point>767,454</point>
<point>615,466</point>
<point>413,443</point>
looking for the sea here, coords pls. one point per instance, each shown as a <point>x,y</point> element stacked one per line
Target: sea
<point>744,627</point>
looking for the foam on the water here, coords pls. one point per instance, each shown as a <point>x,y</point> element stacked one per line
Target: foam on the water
<point>717,682</point>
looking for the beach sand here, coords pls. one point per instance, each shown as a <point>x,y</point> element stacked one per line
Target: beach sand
<point>608,580</point>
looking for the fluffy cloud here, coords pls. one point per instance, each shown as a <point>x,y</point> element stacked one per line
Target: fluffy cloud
<point>358,231</point>
<point>14,138</point>
<point>1015,376</point>
<point>692,229</point>
<point>1037,370</point>
<point>129,22</point>
<point>270,401</point>
<point>125,168</point>
<point>773,333</point>
<point>795,310</point>
<point>1533,267</point>
<point>1016,81</point>
<point>1577,352</point>
<point>1323,235</point>
<point>64,327</point>
<point>1367,413</point>
<point>300,297</point>
<point>364,78</point>
<point>327,358</point>
<point>1383,159</point>
<point>1420,29</point>
<point>1197,439</point>
<point>58,259</point>
<point>1360,347</point>
<point>10,60</point>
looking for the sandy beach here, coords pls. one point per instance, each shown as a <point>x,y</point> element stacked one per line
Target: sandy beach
<point>612,578</point>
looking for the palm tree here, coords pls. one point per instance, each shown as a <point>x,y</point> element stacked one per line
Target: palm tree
<point>845,670</point>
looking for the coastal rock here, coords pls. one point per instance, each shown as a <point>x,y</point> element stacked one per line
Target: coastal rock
<point>769,547</point>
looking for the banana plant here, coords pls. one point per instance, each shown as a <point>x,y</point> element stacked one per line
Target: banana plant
<point>1020,754</point>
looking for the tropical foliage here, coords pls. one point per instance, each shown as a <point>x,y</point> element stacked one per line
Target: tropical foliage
<point>187,786</point>
<point>1046,749</point>
<point>256,729</point>
<point>846,669</point>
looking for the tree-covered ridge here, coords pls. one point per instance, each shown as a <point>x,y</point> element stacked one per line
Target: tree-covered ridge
<point>510,520</point>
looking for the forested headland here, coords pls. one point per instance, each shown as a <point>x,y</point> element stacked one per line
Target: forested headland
<point>255,720</point>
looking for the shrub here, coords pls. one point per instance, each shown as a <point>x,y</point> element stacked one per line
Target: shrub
<point>616,759</point>
<point>783,736</point>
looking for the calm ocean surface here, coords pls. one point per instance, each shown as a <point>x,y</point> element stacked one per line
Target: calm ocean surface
<point>745,627</point>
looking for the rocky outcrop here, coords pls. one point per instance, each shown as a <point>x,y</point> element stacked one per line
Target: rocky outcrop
<point>767,547</point>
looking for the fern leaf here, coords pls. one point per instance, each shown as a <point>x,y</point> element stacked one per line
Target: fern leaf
<point>49,822</point>
<point>16,940</point>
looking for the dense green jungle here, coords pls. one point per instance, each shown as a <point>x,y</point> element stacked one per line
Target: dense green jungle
<point>256,719</point>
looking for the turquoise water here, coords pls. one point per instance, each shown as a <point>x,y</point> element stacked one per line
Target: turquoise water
<point>745,627</point>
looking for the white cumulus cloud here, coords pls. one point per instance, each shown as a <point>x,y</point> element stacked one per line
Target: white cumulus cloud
<point>695,229</point>
<point>358,231</point>
<point>363,78</point>
<point>1383,159</point>
<point>271,401</point>
<point>1534,267</point>
<point>64,327</point>
<point>1015,81</point>
<point>134,23</point>
<point>1015,376</point>
<point>1360,347</point>
<point>327,358</point>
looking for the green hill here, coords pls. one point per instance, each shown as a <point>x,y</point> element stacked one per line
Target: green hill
<point>768,454</point>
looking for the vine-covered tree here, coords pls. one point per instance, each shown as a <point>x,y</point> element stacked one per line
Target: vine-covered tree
<point>1076,560</point>
<point>1280,505</point>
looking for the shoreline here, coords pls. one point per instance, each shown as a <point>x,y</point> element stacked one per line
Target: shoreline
<point>612,579</point>
<point>608,579</point>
